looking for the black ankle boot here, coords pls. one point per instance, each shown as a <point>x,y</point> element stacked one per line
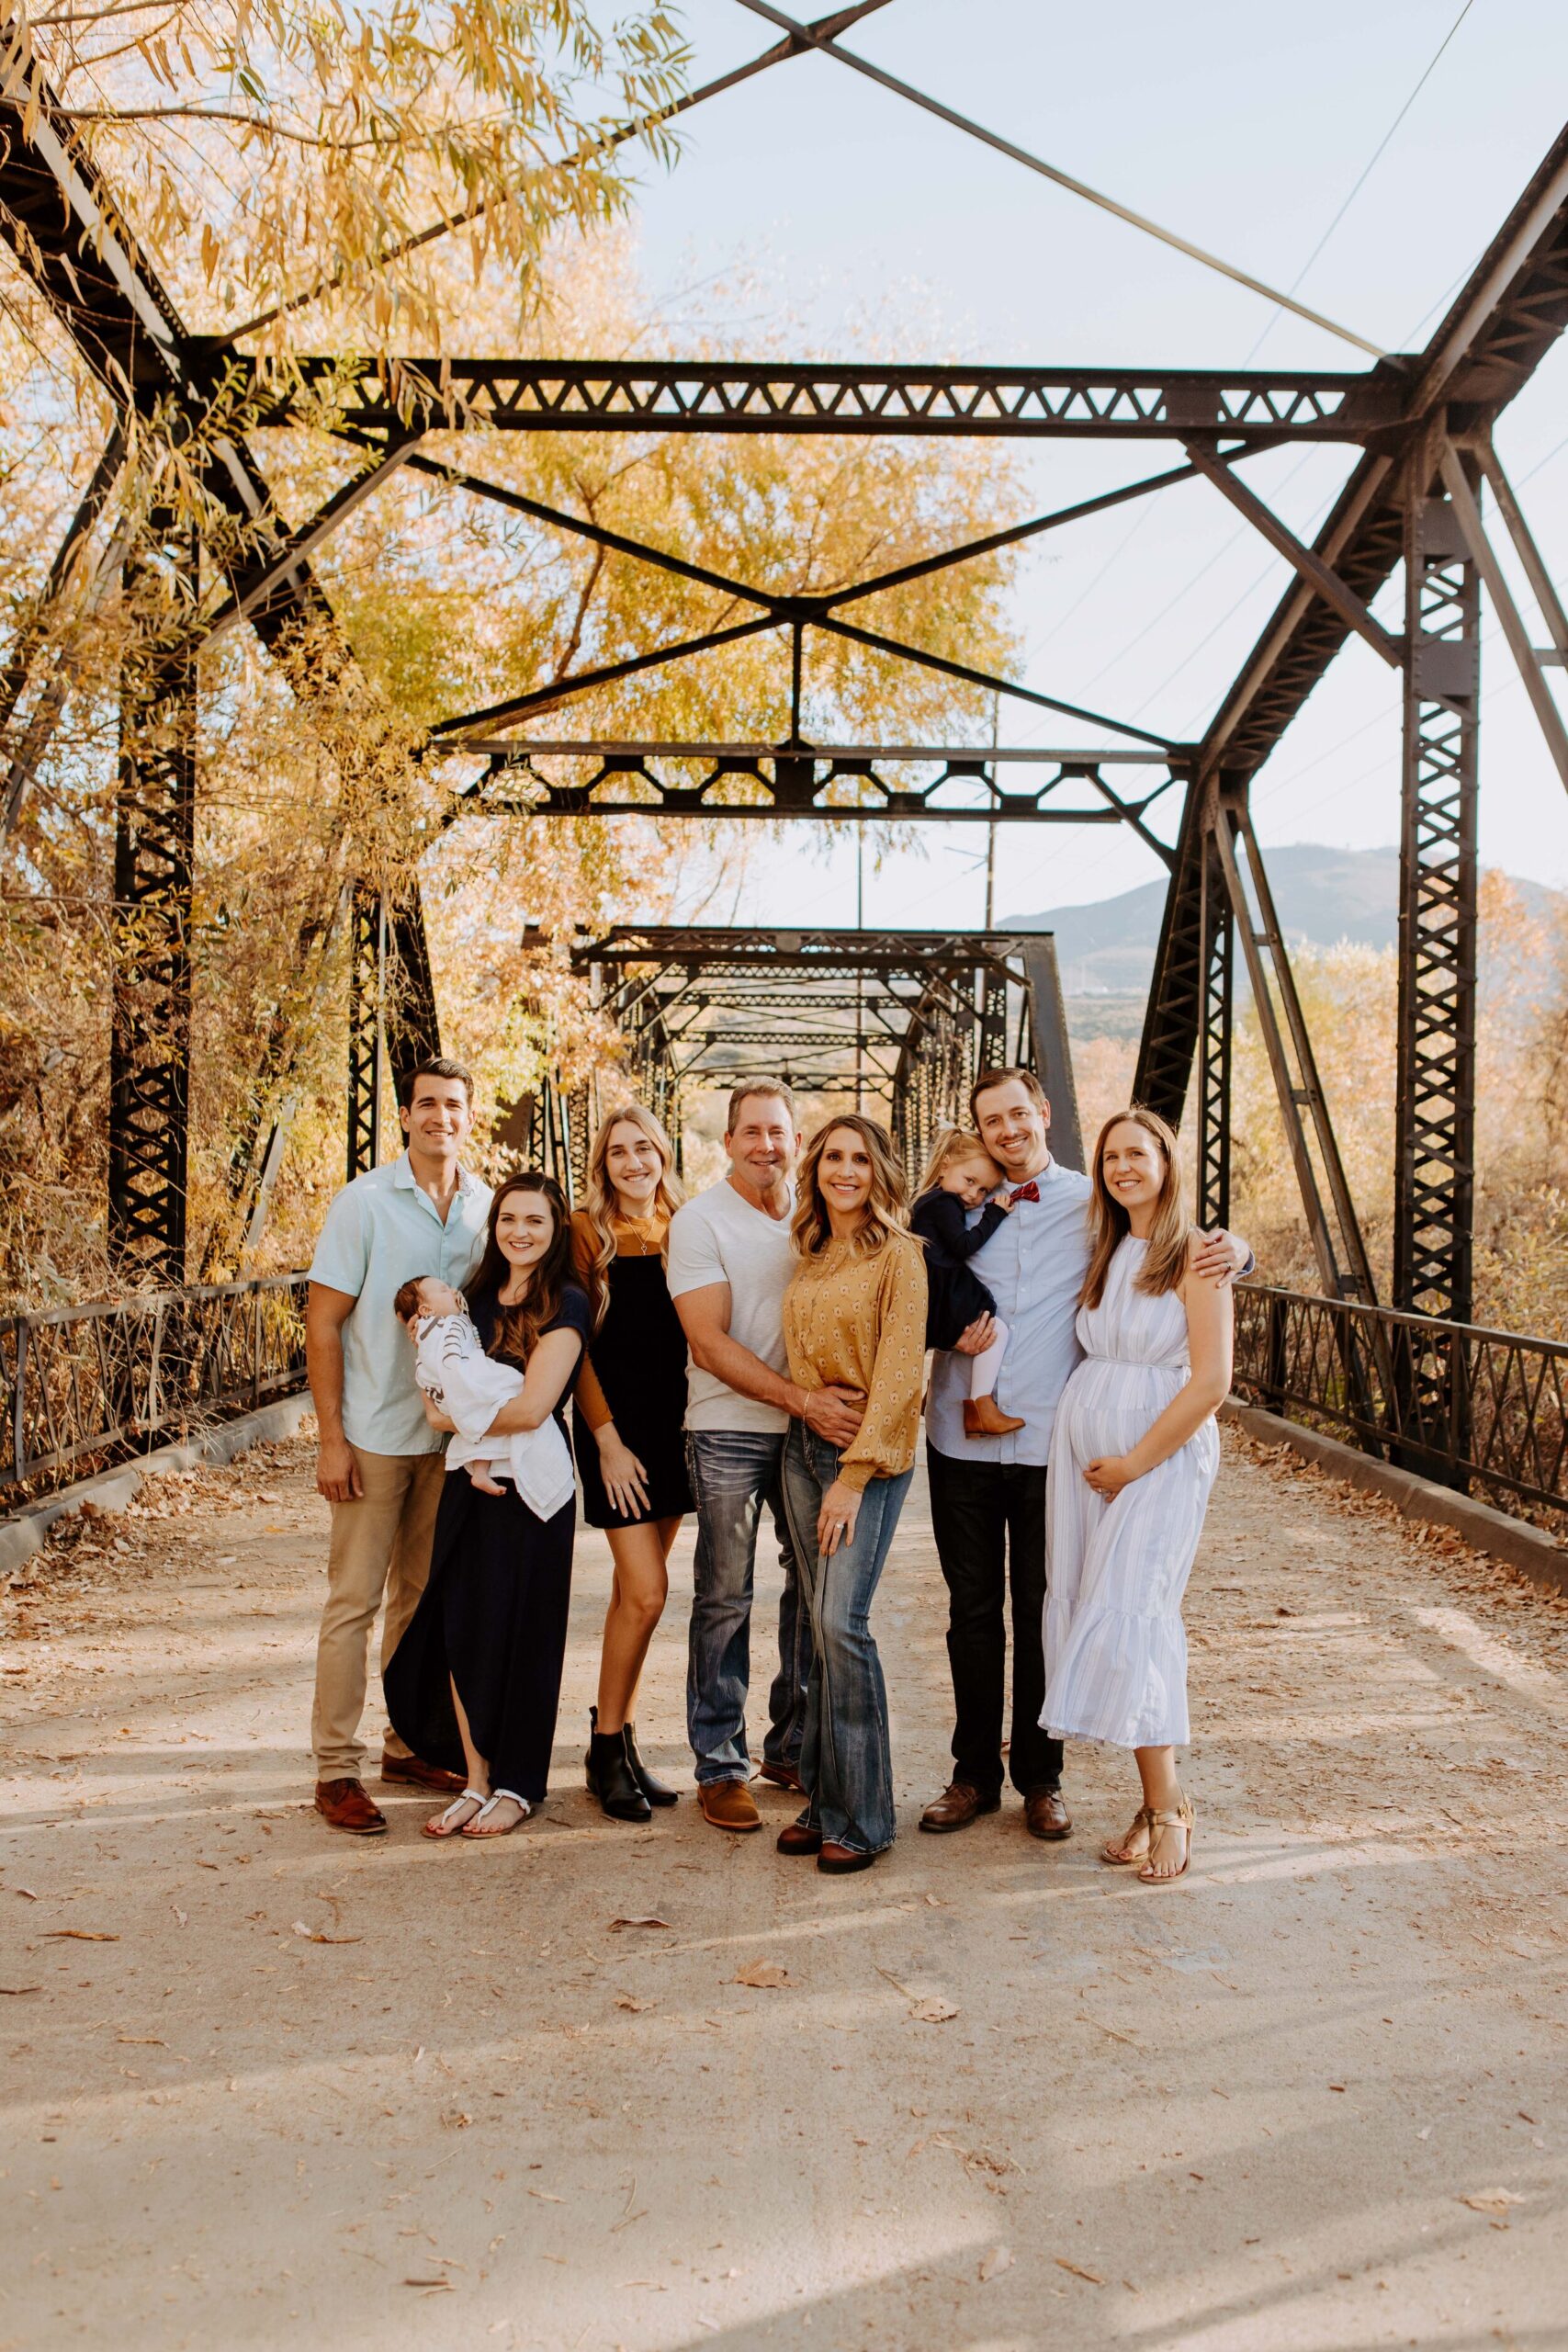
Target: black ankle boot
<point>656,1792</point>
<point>610,1777</point>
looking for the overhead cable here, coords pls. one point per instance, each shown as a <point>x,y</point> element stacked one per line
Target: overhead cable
<point>829,48</point>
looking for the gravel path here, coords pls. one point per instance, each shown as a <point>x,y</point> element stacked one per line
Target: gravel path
<point>594,2086</point>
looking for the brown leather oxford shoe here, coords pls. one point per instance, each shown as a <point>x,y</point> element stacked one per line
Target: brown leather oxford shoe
<point>958,1806</point>
<point>1044,1815</point>
<point>799,1838</point>
<point>342,1804</point>
<point>728,1805</point>
<point>418,1774</point>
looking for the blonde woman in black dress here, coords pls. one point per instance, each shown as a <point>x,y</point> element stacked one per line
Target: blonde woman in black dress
<point>627,1419</point>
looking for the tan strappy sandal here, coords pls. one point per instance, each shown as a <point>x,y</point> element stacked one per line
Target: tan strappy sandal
<point>1114,1852</point>
<point>1181,1819</point>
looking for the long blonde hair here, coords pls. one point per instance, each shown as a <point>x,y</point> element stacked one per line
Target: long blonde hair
<point>887,1209</point>
<point>599,1198</point>
<point>1164,1258</point>
<point>952,1144</point>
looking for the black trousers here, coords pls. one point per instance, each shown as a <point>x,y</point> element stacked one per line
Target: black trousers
<point>989,1523</point>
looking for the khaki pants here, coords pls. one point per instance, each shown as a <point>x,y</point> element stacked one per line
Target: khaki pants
<point>380,1543</point>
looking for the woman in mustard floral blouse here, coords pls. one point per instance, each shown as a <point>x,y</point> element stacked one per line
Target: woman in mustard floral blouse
<point>854,1317</point>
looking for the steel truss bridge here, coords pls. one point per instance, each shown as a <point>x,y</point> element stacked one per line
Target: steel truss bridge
<point>1420,427</point>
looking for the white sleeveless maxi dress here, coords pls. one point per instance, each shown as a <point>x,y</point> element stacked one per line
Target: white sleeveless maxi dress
<point>1115,1645</point>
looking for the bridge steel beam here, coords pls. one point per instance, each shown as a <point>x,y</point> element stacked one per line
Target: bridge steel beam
<point>153,865</point>
<point>1435,1099</point>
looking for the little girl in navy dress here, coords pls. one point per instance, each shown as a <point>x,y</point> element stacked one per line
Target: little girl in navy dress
<point>959,1176</point>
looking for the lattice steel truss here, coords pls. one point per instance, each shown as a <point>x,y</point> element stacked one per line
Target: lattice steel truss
<point>1420,424</point>
<point>155,851</point>
<point>1436,1136</point>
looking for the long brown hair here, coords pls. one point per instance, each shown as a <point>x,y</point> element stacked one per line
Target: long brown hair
<point>887,1209</point>
<point>600,1203</point>
<point>517,1328</point>
<point>1164,1258</point>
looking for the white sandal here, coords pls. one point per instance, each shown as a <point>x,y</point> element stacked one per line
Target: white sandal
<point>444,1826</point>
<point>472,1828</point>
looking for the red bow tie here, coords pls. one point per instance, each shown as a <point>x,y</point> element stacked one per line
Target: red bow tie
<point>1030,1192</point>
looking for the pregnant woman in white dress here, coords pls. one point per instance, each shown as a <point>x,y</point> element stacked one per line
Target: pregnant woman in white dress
<point>1132,1459</point>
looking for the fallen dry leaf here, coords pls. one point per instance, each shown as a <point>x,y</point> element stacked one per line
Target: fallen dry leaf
<point>22,1988</point>
<point>315,1936</point>
<point>26,1893</point>
<point>992,2265</point>
<point>935,2011</point>
<point>144,2040</point>
<point>544,2198</point>
<point>1492,2200</point>
<point>1092,2275</point>
<point>765,1975</point>
<point>625,2001</point>
<point>641,1919</point>
<point>81,1936</point>
<point>432,2286</point>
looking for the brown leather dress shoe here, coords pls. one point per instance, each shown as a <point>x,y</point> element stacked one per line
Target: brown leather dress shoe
<point>728,1805</point>
<point>839,1860</point>
<point>1044,1815</point>
<point>782,1777</point>
<point>418,1774</point>
<point>958,1806</point>
<point>983,1416</point>
<point>343,1805</point>
<point>799,1838</point>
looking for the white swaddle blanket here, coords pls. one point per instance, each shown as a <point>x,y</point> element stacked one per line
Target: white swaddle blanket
<point>451,1366</point>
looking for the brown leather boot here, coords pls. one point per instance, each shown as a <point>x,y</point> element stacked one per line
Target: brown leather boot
<point>799,1838</point>
<point>958,1806</point>
<point>983,1416</point>
<point>343,1805</point>
<point>728,1805</point>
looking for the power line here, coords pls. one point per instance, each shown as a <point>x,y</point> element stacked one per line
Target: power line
<point>1367,171</point>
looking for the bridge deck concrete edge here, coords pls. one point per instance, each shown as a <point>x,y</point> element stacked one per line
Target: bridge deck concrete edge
<point>1530,1549</point>
<point>111,1489</point>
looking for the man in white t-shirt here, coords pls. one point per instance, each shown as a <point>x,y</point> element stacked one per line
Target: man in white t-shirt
<point>730,1259</point>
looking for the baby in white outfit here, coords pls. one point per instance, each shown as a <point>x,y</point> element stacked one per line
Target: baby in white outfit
<point>470,1387</point>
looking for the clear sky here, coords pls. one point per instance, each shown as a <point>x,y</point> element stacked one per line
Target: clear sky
<point>1244,129</point>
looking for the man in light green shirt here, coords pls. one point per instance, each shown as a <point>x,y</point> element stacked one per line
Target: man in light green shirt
<point>380,1464</point>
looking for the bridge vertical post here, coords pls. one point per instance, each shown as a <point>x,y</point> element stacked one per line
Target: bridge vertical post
<point>148,1121</point>
<point>366,989</point>
<point>1435,1099</point>
<point>1218,977</point>
<point>1435,1094</point>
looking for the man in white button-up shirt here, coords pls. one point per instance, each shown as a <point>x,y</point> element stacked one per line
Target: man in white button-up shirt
<point>988,1494</point>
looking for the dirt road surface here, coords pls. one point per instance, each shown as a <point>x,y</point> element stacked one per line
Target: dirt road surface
<point>592,2086</point>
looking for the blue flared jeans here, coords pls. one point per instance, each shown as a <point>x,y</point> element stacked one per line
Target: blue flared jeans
<point>846,1759</point>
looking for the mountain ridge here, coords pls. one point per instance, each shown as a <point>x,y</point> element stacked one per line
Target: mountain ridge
<point>1106,946</point>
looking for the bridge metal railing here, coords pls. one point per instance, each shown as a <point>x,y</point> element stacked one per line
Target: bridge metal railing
<point>88,1387</point>
<point>1486,1412</point>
